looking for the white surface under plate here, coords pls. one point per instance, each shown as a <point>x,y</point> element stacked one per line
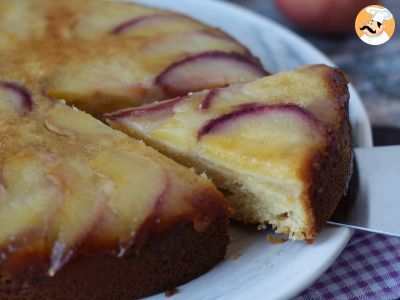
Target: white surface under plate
<point>265,270</point>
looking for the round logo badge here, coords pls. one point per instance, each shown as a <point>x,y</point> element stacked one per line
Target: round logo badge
<point>375,25</point>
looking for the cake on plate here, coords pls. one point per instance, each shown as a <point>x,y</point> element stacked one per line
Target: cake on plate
<point>101,56</point>
<point>278,147</point>
<point>88,213</point>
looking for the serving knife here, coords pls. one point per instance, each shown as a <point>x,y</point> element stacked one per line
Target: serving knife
<point>373,200</point>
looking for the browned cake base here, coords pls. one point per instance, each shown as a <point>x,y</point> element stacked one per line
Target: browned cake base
<point>173,257</point>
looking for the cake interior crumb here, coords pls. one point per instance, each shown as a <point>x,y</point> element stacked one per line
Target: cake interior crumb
<point>276,239</point>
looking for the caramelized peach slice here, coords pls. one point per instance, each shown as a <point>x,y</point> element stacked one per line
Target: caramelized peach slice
<point>64,121</point>
<point>175,121</point>
<point>100,19</point>
<point>14,97</point>
<point>156,23</point>
<point>261,136</point>
<point>134,198</point>
<point>228,96</point>
<point>325,107</point>
<point>27,210</point>
<point>101,84</point>
<point>157,110</point>
<point>162,117</point>
<point>22,21</point>
<point>207,70</point>
<point>85,194</point>
<point>193,42</point>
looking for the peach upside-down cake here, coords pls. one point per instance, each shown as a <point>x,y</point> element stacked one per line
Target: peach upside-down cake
<point>88,213</point>
<point>278,147</point>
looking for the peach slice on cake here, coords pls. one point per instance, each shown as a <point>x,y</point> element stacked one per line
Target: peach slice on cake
<point>149,24</point>
<point>119,166</point>
<point>81,203</point>
<point>58,120</point>
<point>24,210</point>
<point>18,98</point>
<point>210,69</point>
<point>117,55</point>
<point>279,147</point>
<point>84,196</point>
<point>201,40</point>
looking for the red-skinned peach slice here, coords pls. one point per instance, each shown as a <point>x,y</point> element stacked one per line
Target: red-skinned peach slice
<point>267,139</point>
<point>207,70</point>
<point>15,96</point>
<point>80,208</point>
<point>155,115</point>
<point>256,109</point>
<point>100,19</point>
<point>64,121</point>
<point>161,109</point>
<point>155,22</point>
<point>211,95</point>
<point>218,34</point>
<point>131,173</point>
<point>25,212</point>
<point>228,97</point>
<point>200,41</point>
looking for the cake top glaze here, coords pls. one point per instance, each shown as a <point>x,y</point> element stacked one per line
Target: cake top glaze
<point>102,56</point>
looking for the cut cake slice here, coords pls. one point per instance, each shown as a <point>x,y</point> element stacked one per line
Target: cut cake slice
<point>278,147</point>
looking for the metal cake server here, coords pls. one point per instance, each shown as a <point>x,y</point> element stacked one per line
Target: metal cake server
<point>373,200</point>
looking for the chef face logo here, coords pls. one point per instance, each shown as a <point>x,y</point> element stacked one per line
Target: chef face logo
<point>375,25</point>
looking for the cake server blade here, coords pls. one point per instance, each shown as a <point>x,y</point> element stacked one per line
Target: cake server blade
<point>373,200</point>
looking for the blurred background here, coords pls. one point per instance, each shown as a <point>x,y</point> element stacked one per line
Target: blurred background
<point>373,70</point>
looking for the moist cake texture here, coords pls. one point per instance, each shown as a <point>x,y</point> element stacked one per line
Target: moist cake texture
<point>278,147</point>
<point>87,212</point>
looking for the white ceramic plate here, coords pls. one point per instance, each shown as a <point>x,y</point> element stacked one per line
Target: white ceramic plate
<point>264,270</point>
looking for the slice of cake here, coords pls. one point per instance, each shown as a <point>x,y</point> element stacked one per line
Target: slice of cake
<point>278,147</point>
<point>102,56</point>
<point>88,213</point>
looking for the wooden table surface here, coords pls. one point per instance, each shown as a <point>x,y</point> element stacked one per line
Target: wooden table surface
<point>374,70</point>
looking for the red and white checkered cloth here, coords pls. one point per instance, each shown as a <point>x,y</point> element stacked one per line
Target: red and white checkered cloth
<point>368,268</point>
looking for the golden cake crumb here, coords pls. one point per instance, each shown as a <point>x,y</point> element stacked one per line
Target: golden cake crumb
<point>275,240</point>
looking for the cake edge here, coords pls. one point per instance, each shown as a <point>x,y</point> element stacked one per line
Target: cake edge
<point>324,194</point>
